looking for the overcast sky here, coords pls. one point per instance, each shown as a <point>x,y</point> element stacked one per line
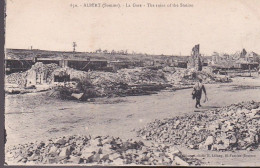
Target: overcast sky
<point>217,25</point>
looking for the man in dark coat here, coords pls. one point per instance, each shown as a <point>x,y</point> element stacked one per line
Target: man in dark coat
<point>197,92</point>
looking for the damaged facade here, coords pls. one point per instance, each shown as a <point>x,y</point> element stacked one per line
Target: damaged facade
<point>195,61</point>
<point>240,60</point>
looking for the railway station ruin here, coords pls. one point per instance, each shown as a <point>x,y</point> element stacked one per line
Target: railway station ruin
<point>195,61</point>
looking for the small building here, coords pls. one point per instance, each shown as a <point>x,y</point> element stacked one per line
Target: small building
<point>38,74</point>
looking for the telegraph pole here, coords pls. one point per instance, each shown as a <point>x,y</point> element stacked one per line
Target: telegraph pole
<point>74,46</point>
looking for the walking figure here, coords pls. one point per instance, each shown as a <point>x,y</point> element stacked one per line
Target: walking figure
<point>197,91</point>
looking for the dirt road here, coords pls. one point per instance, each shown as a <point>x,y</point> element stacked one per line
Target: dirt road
<point>31,117</point>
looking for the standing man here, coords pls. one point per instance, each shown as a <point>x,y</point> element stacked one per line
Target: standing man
<point>197,91</point>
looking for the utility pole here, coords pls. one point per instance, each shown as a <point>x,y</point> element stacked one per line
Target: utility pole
<point>74,46</point>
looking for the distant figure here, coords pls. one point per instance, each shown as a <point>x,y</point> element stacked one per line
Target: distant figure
<point>197,91</point>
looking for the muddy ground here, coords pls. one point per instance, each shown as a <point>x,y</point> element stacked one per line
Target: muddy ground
<point>35,116</point>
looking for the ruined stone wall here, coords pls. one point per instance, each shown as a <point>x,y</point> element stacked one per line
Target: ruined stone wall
<point>243,53</point>
<point>195,61</point>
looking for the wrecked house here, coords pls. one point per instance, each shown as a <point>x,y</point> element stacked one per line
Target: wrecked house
<point>219,58</point>
<point>40,74</point>
<point>253,57</point>
<point>195,61</point>
<point>240,60</point>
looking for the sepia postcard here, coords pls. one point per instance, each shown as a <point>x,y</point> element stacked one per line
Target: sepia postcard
<point>132,83</point>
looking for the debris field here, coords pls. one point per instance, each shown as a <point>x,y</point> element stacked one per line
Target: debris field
<point>97,151</point>
<point>234,127</point>
<point>124,82</point>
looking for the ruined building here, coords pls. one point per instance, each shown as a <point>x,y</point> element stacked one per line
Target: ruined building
<point>195,61</point>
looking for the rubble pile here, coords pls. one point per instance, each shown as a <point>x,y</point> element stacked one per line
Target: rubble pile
<point>20,78</point>
<point>74,74</point>
<point>137,81</point>
<point>127,76</point>
<point>167,75</point>
<point>101,150</point>
<point>142,76</point>
<point>125,82</point>
<point>104,79</point>
<point>234,127</point>
<point>189,76</point>
<point>17,79</point>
